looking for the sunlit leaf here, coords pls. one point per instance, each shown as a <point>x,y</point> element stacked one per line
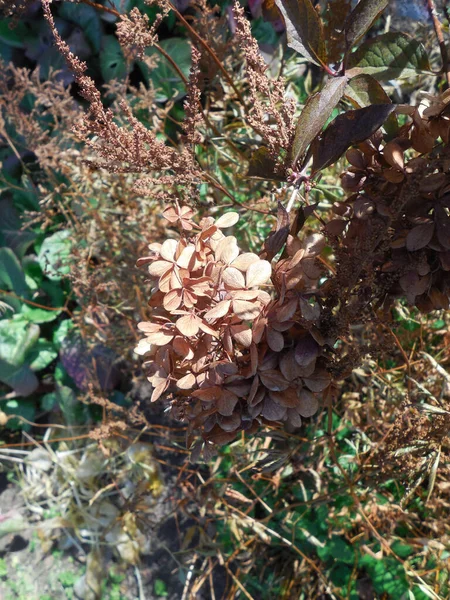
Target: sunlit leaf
<point>361,18</point>
<point>389,56</point>
<point>304,29</point>
<point>258,273</point>
<point>315,114</point>
<point>351,127</point>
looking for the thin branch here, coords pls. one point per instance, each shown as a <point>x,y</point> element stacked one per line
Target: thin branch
<point>440,36</point>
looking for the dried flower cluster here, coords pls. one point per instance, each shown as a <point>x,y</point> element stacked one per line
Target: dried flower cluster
<point>135,34</point>
<point>233,348</point>
<point>403,199</point>
<point>271,114</point>
<point>130,148</point>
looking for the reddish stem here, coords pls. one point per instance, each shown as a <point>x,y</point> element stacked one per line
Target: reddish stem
<point>440,36</point>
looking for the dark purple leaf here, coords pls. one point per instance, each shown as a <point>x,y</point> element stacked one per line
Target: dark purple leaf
<point>306,351</point>
<point>442,221</point>
<point>352,127</point>
<point>361,18</point>
<point>96,366</point>
<point>304,29</point>
<point>419,237</point>
<point>277,238</point>
<point>315,114</point>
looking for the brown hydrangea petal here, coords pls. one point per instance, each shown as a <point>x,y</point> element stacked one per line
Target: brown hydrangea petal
<point>209,394</point>
<point>318,381</point>
<point>258,273</point>
<point>306,351</point>
<point>288,398</point>
<point>273,380</point>
<point>187,382</point>
<point>242,334</point>
<point>226,403</point>
<point>275,339</point>
<point>229,423</point>
<point>293,417</point>
<point>308,404</point>
<point>233,278</point>
<point>271,410</point>
<point>243,261</point>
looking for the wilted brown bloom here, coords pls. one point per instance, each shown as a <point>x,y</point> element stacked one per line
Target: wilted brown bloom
<point>135,34</point>
<point>231,350</point>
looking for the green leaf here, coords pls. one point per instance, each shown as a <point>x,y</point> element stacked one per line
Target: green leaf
<point>17,337</point>
<point>48,401</point>
<point>112,60</point>
<point>13,36</point>
<point>165,79</point>
<point>304,29</point>
<point>68,403</point>
<point>41,355</point>
<point>12,276</point>
<point>39,315</point>
<point>54,255</point>
<point>352,127</point>
<point>10,228</point>
<point>88,20</point>
<point>62,332</point>
<point>361,18</point>
<point>315,114</point>
<point>364,90</point>
<point>389,56</point>
<point>20,378</point>
<point>264,32</point>
<point>160,588</point>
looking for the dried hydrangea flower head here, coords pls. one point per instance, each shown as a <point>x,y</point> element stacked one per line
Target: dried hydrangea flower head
<point>402,188</point>
<point>232,340</point>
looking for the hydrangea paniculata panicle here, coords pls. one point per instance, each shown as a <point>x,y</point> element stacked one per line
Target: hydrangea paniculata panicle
<point>402,187</point>
<point>232,340</point>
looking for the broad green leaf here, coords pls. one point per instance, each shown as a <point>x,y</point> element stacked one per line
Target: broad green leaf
<point>389,56</point>
<point>112,60</point>
<point>12,277</point>
<point>68,403</point>
<point>364,90</point>
<point>54,255</point>
<point>13,36</point>
<point>62,332</point>
<point>17,337</point>
<point>10,228</point>
<point>361,18</point>
<point>38,315</point>
<point>165,79</point>
<point>21,378</point>
<point>41,355</point>
<point>23,408</point>
<point>304,29</point>
<point>352,127</point>
<point>88,20</point>
<point>315,114</point>
<point>48,401</point>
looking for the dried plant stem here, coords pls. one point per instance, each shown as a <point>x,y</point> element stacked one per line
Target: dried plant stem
<point>440,36</point>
